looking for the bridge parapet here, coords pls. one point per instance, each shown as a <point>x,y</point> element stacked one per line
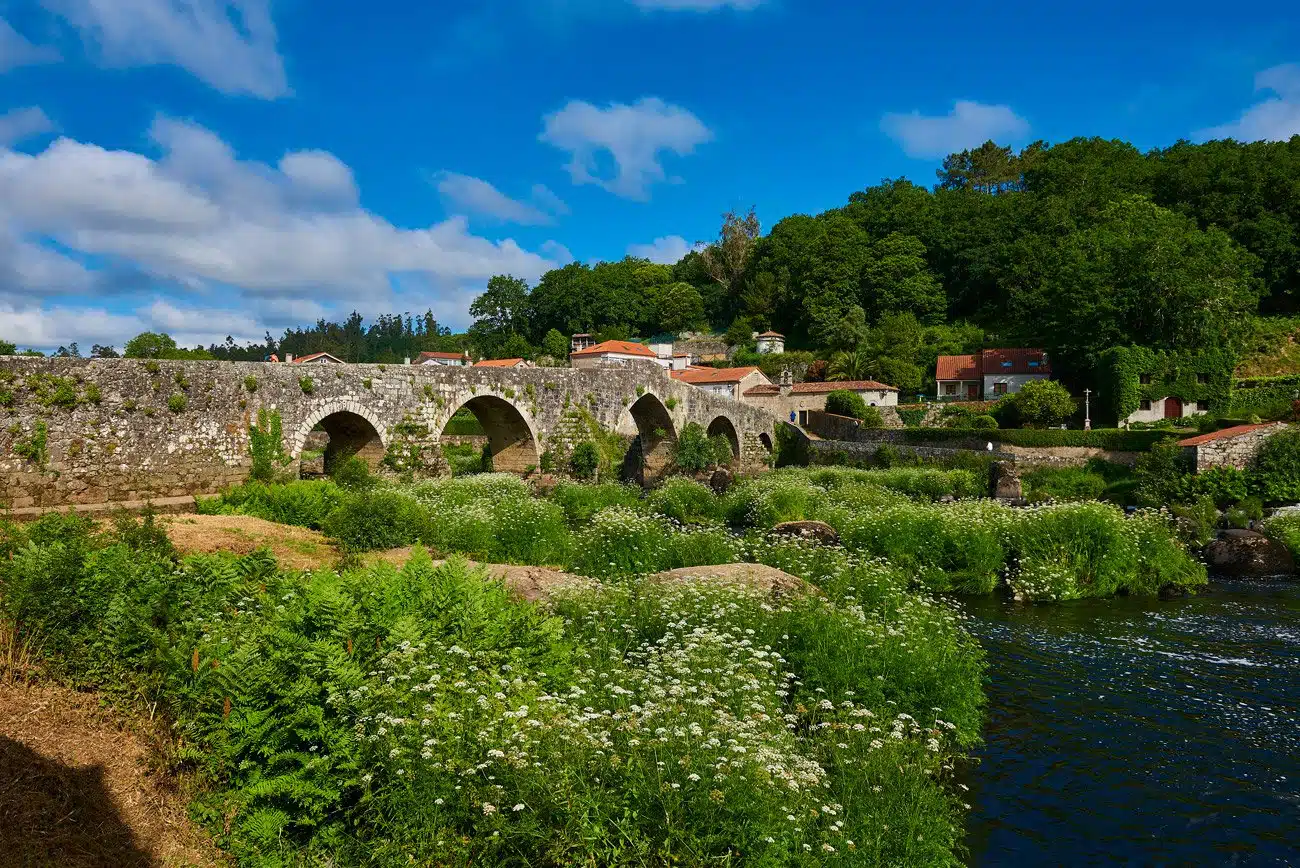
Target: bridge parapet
<point>91,431</point>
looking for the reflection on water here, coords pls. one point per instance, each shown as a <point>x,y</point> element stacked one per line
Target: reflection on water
<point>1141,732</point>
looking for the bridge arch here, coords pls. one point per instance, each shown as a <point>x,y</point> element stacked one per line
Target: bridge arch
<point>651,424</point>
<point>724,427</point>
<point>352,430</point>
<point>511,434</point>
<point>766,439</point>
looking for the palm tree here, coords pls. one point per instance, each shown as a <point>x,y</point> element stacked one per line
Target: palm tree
<point>855,364</point>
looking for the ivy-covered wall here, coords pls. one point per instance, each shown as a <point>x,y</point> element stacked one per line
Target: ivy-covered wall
<point>1268,398</point>
<point>1121,389</point>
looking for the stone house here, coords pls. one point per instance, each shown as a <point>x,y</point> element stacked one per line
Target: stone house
<point>727,382</point>
<point>989,374</point>
<point>1155,409</point>
<point>1231,447</point>
<point>450,360</point>
<point>619,353</point>
<point>580,342</point>
<point>791,402</point>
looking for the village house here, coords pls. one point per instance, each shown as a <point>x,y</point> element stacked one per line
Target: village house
<point>989,374</point>
<point>504,363</point>
<point>315,359</point>
<point>1231,447</point>
<point>580,342</point>
<point>616,353</point>
<point>790,402</point>
<point>727,382</point>
<point>450,360</point>
<point>770,343</point>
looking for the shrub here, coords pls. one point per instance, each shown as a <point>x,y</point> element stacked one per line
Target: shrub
<point>1040,403</point>
<point>302,503</point>
<point>686,501</point>
<point>377,519</point>
<point>250,383</point>
<point>1286,530</point>
<point>842,402</point>
<point>581,502</point>
<point>351,472</point>
<point>1275,469</point>
<point>178,402</point>
<point>1063,483</point>
<point>266,446</point>
<point>307,385</point>
<point>584,461</point>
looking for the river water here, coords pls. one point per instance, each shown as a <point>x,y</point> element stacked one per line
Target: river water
<point>1141,732</point>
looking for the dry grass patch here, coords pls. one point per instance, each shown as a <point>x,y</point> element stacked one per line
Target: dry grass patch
<point>295,548</point>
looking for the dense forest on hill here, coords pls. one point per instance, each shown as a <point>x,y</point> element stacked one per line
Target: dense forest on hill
<point>1075,247</point>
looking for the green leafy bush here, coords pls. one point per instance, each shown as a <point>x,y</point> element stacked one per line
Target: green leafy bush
<point>842,402</point>
<point>377,519</point>
<point>581,502</point>
<point>307,385</point>
<point>686,501</point>
<point>178,402</point>
<point>351,472</point>
<point>584,461</point>
<point>1275,469</point>
<point>695,451</point>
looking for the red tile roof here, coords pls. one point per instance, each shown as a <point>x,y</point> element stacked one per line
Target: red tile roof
<point>499,363</point>
<point>761,391</point>
<point>428,355</point>
<point>847,385</point>
<point>700,376</point>
<point>626,348</point>
<point>771,335</point>
<point>1225,434</point>
<point>958,368</point>
<point>314,356</point>
<point>972,367</point>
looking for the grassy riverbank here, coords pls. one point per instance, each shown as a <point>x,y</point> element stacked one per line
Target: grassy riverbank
<point>1049,552</point>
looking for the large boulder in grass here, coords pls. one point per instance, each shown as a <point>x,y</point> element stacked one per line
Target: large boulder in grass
<point>720,480</point>
<point>1247,553</point>
<point>818,531</point>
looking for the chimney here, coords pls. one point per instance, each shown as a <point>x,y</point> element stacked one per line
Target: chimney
<point>406,361</point>
<point>787,382</point>
<point>288,358</point>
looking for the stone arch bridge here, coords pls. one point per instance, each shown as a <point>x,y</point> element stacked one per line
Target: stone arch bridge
<point>95,431</point>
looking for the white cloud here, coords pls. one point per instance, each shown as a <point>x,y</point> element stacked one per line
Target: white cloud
<point>1274,120</point>
<point>16,50</point>
<point>699,5</point>
<point>968,125</point>
<point>23,123</point>
<point>230,44</point>
<point>633,136</point>
<point>46,328</point>
<point>283,243</point>
<point>667,251</point>
<point>463,194</point>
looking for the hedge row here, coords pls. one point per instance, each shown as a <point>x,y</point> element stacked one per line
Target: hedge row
<point>1113,439</point>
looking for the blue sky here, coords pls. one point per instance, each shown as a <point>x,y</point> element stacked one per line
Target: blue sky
<point>214,167</point>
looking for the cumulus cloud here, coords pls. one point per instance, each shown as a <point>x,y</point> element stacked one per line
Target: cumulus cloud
<point>968,125</point>
<point>632,136</point>
<point>1276,119</point>
<point>23,123</point>
<point>280,243</point>
<point>16,50</point>
<point>464,194</point>
<point>699,5</point>
<point>230,44</point>
<point>667,251</point>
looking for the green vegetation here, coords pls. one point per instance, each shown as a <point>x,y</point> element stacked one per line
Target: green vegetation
<point>383,716</point>
<point>1130,375</point>
<point>307,385</point>
<point>266,446</point>
<point>250,383</point>
<point>33,447</point>
<point>177,402</point>
<point>695,451</point>
<point>584,461</point>
<point>1038,404</point>
<point>845,403</point>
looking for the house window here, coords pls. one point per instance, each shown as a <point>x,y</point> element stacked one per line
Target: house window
<point>1033,364</point>
<point>1203,379</point>
<point>1144,379</point>
<point>1146,404</point>
<point>1006,364</point>
<point>950,388</point>
<point>999,388</point>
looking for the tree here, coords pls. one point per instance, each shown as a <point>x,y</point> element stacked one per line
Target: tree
<point>678,307</point>
<point>740,333</point>
<point>500,312</point>
<point>556,345</point>
<point>845,403</point>
<point>898,280</point>
<point>150,345</point>
<point>108,352</point>
<point>7,349</point>
<point>836,324</point>
<point>72,351</point>
<point>725,260</point>
<point>852,365</point>
<point>1040,403</point>
<point>514,346</point>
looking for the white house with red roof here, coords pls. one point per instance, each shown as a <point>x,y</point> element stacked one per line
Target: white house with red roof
<point>316,359</point>
<point>449,360</point>
<point>989,374</point>
<point>727,382</point>
<point>770,343</point>
<point>791,402</point>
<point>620,353</point>
<point>504,363</point>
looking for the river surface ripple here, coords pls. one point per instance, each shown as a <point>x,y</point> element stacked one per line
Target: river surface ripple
<point>1141,732</point>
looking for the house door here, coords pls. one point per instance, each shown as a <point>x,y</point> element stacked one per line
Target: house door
<point>1173,408</point>
<point>973,391</point>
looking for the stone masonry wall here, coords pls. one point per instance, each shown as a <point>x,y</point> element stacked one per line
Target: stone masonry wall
<point>93,431</point>
<point>1233,451</point>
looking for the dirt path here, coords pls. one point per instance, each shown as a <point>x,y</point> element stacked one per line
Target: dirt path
<point>294,547</point>
<point>79,790</point>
